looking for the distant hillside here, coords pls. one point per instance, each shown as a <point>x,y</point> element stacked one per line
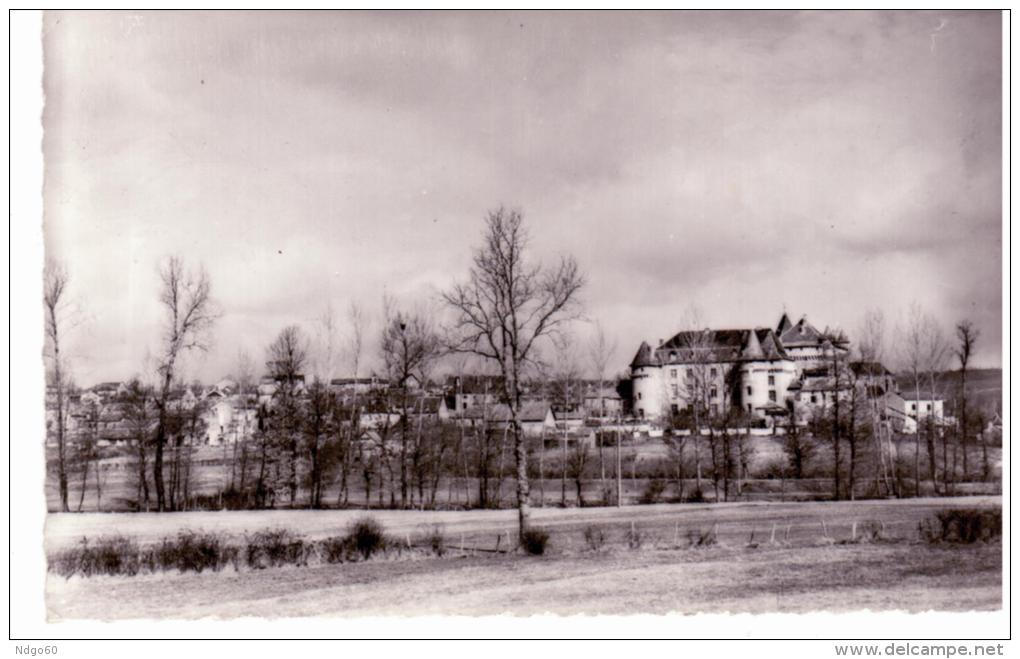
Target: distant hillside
<point>984,387</point>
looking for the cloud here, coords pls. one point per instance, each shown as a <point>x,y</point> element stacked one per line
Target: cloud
<point>830,161</point>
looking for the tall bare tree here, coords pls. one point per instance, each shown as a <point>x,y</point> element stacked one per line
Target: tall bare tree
<point>601,351</point>
<point>966,337</point>
<point>871,348</point>
<point>288,356</point>
<point>936,355</point>
<point>186,300</point>
<point>54,303</point>
<point>913,358</point>
<point>409,346</point>
<point>137,405</point>
<point>505,309</point>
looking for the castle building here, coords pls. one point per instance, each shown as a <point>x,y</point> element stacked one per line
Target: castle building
<point>757,371</point>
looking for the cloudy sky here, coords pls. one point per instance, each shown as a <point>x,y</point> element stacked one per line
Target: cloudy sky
<point>823,163</point>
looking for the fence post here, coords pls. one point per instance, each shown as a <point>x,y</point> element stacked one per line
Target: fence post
<point>853,532</point>
<point>772,540</point>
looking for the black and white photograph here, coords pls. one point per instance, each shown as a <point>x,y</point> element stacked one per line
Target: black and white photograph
<point>558,315</point>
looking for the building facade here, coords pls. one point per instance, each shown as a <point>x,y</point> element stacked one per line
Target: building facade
<point>756,372</point>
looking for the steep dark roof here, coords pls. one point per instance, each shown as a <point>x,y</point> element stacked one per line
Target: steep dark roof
<point>752,347</point>
<point>721,346</point>
<point>784,324</point>
<point>800,335</point>
<point>643,356</point>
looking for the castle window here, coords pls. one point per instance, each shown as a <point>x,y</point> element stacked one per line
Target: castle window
<point>676,409</point>
<point>712,372</point>
<point>749,391</point>
<point>928,407</point>
<point>814,398</point>
<point>672,373</point>
<point>913,407</point>
<point>713,392</point>
<point>641,412</point>
<point>772,379</point>
<point>676,391</point>
<point>772,396</point>
<point>672,356</point>
<point>639,395</point>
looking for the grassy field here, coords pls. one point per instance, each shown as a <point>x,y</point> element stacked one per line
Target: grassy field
<point>807,568</point>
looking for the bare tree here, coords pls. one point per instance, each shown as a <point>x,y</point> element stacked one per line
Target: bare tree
<point>346,446</point>
<point>185,297</point>
<point>836,345</point>
<point>936,354</point>
<point>913,358</point>
<point>288,356</point>
<point>137,406</point>
<point>966,336</point>
<point>326,345</point>
<point>601,351</point>
<point>54,303</point>
<point>504,309</point>
<point>871,348</point>
<point>409,346</point>
<point>316,418</point>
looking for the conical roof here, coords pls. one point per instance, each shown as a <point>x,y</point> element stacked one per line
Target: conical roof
<point>784,324</point>
<point>643,356</point>
<point>752,349</point>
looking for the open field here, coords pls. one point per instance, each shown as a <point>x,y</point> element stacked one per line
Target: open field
<point>805,569</point>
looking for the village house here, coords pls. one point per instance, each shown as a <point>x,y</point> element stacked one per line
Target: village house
<point>536,417</point>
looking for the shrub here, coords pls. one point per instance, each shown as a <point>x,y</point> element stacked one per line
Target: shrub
<point>115,555</point>
<point>962,525</point>
<point>366,536</point>
<point>534,541</point>
<point>653,491</point>
<point>275,547</point>
<point>335,549</point>
<point>872,531</point>
<point>697,496</point>
<point>701,537</point>
<point>594,537</point>
<point>634,537</point>
<point>435,540</point>
<point>192,552</point>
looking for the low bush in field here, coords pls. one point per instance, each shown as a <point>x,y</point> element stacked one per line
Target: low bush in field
<point>192,552</point>
<point>435,539</point>
<point>594,537</point>
<point>534,541</point>
<point>335,549</point>
<point>701,537</point>
<point>367,537</point>
<point>634,537</point>
<point>115,555</point>
<point>653,491</point>
<point>276,547</point>
<point>962,525</point>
